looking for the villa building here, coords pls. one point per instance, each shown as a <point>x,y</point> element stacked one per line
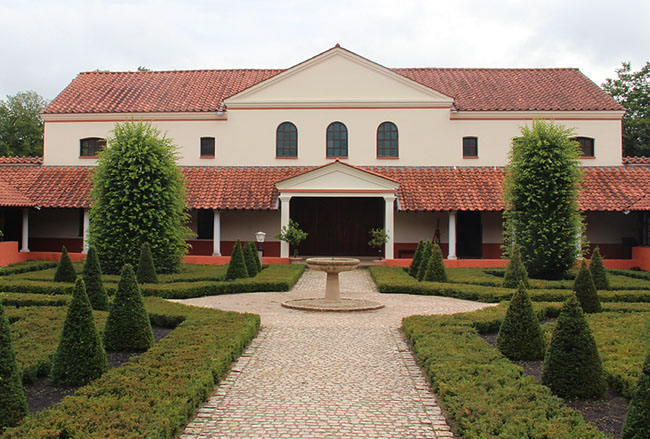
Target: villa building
<point>338,143</point>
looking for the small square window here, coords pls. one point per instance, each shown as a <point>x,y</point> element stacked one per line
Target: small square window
<point>470,146</point>
<point>207,146</point>
<point>91,146</point>
<point>586,146</point>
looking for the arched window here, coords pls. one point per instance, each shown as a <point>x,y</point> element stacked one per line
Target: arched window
<point>286,140</point>
<point>387,140</point>
<point>90,146</point>
<point>586,146</point>
<point>337,140</point>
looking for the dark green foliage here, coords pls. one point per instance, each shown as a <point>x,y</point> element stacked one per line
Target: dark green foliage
<point>93,279</point>
<point>80,356</point>
<point>637,423</point>
<point>237,268</point>
<point>128,328</point>
<point>251,259</point>
<point>541,196</point>
<point>146,268</point>
<point>292,234</point>
<point>13,405</point>
<point>435,271</point>
<point>521,337</point>
<point>572,366</point>
<point>426,255</point>
<point>65,271</point>
<point>138,196</point>
<point>515,271</point>
<point>21,125</point>
<point>598,272</point>
<point>417,259</point>
<point>586,290</point>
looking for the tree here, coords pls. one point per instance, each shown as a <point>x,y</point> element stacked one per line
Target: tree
<point>146,268</point>
<point>515,271</point>
<point>417,258</point>
<point>21,126</point>
<point>127,327</point>
<point>13,405</point>
<point>598,272</point>
<point>637,423</point>
<point>436,271</point>
<point>541,195</point>
<point>586,290</point>
<point>138,196</point>
<point>378,238</point>
<point>80,356</point>
<point>65,272</point>
<point>251,259</point>
<point>237,268</point>
<point>292,234</point>
<point>92,275</point>
<point>632,91</point>
<point>426,255</point>
<point>521,336</point>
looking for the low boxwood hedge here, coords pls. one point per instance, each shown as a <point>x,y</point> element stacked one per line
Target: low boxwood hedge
<point>28,266</point>
<point>21,299</point>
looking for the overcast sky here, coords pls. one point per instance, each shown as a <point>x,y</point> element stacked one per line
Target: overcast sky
<point>45,44</point>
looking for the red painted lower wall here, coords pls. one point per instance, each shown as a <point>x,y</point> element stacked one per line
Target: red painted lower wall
<point>203,247</point>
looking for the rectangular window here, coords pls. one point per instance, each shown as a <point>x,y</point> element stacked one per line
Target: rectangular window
<point>207,146</point>
<point>91,146</point>
<point>586,146</point>
<point>470,147</point>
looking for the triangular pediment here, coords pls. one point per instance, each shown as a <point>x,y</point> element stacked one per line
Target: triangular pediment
<point>338,78</point>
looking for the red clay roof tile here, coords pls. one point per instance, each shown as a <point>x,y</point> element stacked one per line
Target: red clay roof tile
<point>636,160</point>
<point>21,160</point>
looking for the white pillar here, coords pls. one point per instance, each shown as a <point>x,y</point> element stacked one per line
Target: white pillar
<point>452,235</point>
<point>25,229</point>
<point>216,234</point>
<point>284,222</point>
<point>389,226</point>
<point>84,247</point>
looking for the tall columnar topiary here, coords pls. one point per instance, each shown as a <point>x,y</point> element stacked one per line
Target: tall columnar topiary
<point>80,356</point>
<point>146,268</point>
<point>586,290</point>
<point>637,423</point>
<point>251,259</point>
<point>92,275</point>
<point>65,271</point>
<point>521,337</point>
<point>598,272</point>
<point>572,366</point>
<point>237,268</point>
<point>13,405</point>
<point>138,196</point>
<point>541,195</point>
<point>417,258</point>
<point>128,328</point>
<point>426,255</point>
<point>257,257</point>
<point>515,271</point>
<point>436,271</point>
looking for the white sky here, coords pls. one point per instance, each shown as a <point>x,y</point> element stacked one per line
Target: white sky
<point>45,44</point>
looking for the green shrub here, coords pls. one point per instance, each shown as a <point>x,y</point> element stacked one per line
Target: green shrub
<point>92,275</point>
<point>515,271</point>
<point>435,271</point>
<point>586,290</point>
<point>25,267</point>
<point>598,272</point>
<point>521,336</point>
<point>80,356</point>
<point>26,299</point>
<point>146,268</point>
<point>426,255</point>
<point>572,366</point>
<point>237,268</point>
<point>65,271</point>
<point>251,259</point>
<point>417,259</point>
<point>13,405</point>
<point>637,423</point>
<point>258,261</point>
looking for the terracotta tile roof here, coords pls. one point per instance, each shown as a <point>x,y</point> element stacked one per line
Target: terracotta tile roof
<point>21,160</point>
<point>637,160</point>
<point>10,197</point>
<point>617,188</point>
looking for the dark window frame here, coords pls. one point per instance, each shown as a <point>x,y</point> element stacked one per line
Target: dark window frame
<point>286,140</point>
<point>337,140</point>
<point>208,147</point>
<point>587,146</point>
<point>91,146</point>
<point>387,140</point>
<point>470,147</point>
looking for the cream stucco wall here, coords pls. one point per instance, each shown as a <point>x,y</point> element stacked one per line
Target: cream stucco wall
<point>612,227</point>
<point>492,223</point>
<point>54,223</point>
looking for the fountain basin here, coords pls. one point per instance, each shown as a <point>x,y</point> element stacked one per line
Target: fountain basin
<point>332,265</point>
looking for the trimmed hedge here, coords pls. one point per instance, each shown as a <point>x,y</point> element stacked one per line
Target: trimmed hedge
<point>586,290</point>
<point>25,267</point>
<point>520,335</point>
<point>598,272</point>
<point>65,272</point>
<point>22,300</point>
<point>237,266</point>
<point>13,405</point>
<point>146,273</point>
<point>92,274</point>
<point>637,423</point>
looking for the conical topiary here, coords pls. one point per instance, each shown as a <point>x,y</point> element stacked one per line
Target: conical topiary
<point>598,272</point>
<point>80,356</point>
<point>250,256</point>
<point>128,328</point>
<point>146,268</point>
<point>521,337</point>
<point>637,423</point>
<point>257,258</point>
<point>426,255</point>
<point>515,271</point>
<point>586,290</point>
<point>572,366</point>
<point>417,258</point>
<point>13,405</point>
<point>237,267</point>
<point>92,275</point>
<point>436,271</point>
<point>65,271</point>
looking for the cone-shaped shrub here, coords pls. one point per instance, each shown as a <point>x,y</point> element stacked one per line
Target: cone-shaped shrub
<point>237,267</point>
<point>417,258</point>
<point>258,263</point>
<point>65,271</point>
<point>146,269</point>
<point>521,337</point>
<point>598,272</point>
<point>515,271</point>
<point>586,290</point>
<point>436,271</point>
<point>637,423</point>
<point>572,367</point>
<point>426,255</point>
<point>93,279</point>
<point>128,328</point>
<point>13,405</point>
<point>250,256</point>
<point>80,356</point>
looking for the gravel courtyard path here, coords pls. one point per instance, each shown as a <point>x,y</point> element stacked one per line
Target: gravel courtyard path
<point>318,375</point>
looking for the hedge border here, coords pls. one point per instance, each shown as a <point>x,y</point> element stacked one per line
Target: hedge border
<point>25,267</point>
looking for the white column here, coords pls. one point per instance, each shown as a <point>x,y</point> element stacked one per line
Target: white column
<point>284,222</point>
<point>389,226</point>
<point>452,235</point>
<point>84,247</point>
<point>25,238</point>
<point>216,234</point>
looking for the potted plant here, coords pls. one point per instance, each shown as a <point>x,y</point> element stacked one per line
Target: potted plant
<point>293,235</point>
<point>378,238</point>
